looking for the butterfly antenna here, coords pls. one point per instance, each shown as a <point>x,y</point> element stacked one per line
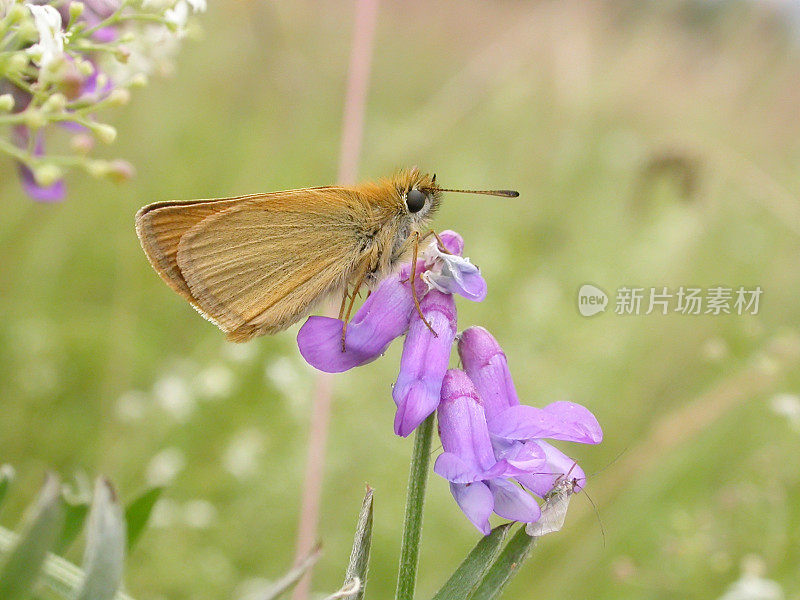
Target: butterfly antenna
<point>500,193</point>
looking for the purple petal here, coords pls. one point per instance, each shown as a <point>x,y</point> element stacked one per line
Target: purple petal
<point>424,362</point>
<point>572,424</point>
<point>486,364</point>
<point>525,457</point>
<point>383,317</point>
<point>51,193</point>
<point>453,468</point>
<point>586,429</point>
<point>462,423</point>
<point>512,502</point>
<point>477,503</point>
<point>452,241</point>
<point>558,467</point>
<point>457,275</point>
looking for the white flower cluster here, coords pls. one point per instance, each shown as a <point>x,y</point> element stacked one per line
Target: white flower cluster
<point>62,62</point>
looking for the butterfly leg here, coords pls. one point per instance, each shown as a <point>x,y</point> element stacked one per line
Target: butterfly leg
<point>413,280</point>
<point>442,247</point>
<point>350,307</point>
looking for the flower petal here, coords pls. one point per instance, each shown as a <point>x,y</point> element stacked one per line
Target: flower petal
<point>558,467</point>
<point>477,503</point>
<point>487,367</point>
<point>454,469</point>
<point>572,423</point>
<point>512,502</point>
<point>524,457</point>
<point>462,423</point>
<point>383,317</point>
<point>424,362</point>
<point>452,241</point>
<point>50,193</point>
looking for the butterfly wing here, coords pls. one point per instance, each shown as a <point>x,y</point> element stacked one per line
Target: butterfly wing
<point>260,263</point>
<point>161,226</point>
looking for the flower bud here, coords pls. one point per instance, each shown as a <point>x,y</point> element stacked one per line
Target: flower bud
<point>16,63</point>
<point>120,171</point>
<point>122,54</point>
<point>119,97</point>
<point>138,80</point>
<point>34,118</point>
<point>6,103</point>
<point>75,10</point>
<point>85,67</point>
<point>106,133</point>
<point>82,143</point>
<point>47,174</point>
<point>55,103</point>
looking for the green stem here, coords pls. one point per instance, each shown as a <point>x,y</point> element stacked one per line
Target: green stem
<point>417,479</point>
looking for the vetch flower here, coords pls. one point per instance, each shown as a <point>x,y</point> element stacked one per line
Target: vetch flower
<point>478,481</point>
<point>453,274</point>
<point>384,316</point>
<point>519,430</point>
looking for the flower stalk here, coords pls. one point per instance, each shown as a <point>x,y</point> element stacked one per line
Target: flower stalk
<point>415,502</point>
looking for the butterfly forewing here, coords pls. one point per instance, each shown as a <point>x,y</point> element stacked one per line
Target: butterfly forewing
<point>260,265</point>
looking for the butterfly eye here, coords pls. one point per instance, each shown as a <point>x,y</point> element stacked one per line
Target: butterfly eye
<point>415,200</point>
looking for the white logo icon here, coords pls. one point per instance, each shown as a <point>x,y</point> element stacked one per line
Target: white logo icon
<point>591,300</point>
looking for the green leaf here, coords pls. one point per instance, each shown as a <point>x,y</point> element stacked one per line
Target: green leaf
<point>6,477</point>
<point>105,545</point>
<point>288,581</point>
<point>40,529</point>
<point>505,566</point>
<point>74,519</point>
<point>138,513</point>
<point>415,501</point>
<point>469,572</point>
<point>355,580</point>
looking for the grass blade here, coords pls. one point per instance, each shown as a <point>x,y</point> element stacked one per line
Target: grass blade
<point>469,573</point>
<point>138,513</point>
<point>356,576</point>
<point>505,566</point>
<point>41,527</point>
<point>105,545</point>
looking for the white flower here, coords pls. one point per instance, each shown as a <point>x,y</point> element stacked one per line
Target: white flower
<point>179,14</point>
<point>242,454</point>
<point>199,514</point>
<point>165,466</point>
<point>51,38</point>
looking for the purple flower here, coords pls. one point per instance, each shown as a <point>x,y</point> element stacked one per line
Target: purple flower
<point>517,430</point>
<point>384,316</point>
<point>479,481</point>
<point>43,193</point>
<point>388,313</point>
<point>424,362</point>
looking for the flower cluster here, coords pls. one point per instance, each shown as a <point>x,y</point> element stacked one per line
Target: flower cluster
<point>495,451</point>
<point>62,62</point>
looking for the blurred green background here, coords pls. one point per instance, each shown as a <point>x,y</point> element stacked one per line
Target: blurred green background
<point>654,144</point>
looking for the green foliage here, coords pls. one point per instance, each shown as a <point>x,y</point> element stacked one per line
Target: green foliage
<point>137,513</point>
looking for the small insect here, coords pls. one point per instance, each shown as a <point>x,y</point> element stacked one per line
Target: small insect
<point>554,509</point>
<point>254,265</point>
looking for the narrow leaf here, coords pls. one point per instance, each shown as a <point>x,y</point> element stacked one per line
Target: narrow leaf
<point>40,528</point>
<point>359,556</point>
<point>469,572</point>
<point>105,545</point>
<point>291,578</point>
<point>74,519</point>
<point>138,513</point>
<point>6,477</point>
<point>505,566</point>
